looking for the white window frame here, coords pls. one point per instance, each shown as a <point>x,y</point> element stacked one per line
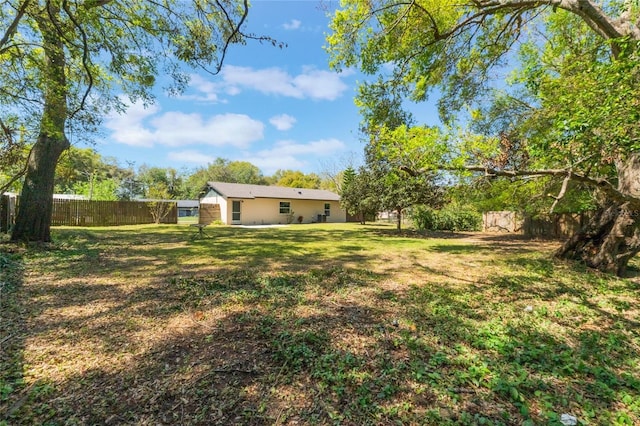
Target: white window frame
<point>287,207</point>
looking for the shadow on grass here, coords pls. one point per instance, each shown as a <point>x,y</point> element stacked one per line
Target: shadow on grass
<point>518,356</point>
<point>12,331</point>
<point>316,341</point>
<point>411,233</point>
<point>122,251</point>
<point>232,369</point>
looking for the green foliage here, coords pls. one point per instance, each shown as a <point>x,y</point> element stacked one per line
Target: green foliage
<point>104,190</point>
<point>389,154</point>
<point>587,116</point>
<point>159,209</point>
<point>424,218</point>
<point>11,376</point>
<point>360,194</point>
<point>160,183</point>
<point>434,331</point>
<point>348,176</point>
<point>10,270</point>
<point>430,45</point>
<point>453,217</point>
<point>415,148</point>
<point>222,170</point>
<point>85,172</point>
<point>570,102</point>
<point>299,349</point>
<point>531,196</point>
<point>14,149</point>
<point>66,64</point>
<point>102,54</point>
<point>295,179</point>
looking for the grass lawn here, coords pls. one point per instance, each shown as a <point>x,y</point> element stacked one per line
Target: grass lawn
<point>311,324</point>
<point>187,220</point>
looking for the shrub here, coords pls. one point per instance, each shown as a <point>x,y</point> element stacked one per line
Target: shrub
<point>424,218</point>
<point>451,218</point>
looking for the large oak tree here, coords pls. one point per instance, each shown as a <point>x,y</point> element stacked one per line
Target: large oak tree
<point>64,63</point>
<point>572,112</point>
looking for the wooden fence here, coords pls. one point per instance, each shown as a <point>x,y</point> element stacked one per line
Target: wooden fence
<point>557,225</point>
<point>560,225</point>
<point>7,211</point>
<point>209,213</point>
<point>107,213</point>
<point>502,221</point>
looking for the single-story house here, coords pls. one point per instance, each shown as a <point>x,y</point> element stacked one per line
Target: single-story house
<point>242,204</point>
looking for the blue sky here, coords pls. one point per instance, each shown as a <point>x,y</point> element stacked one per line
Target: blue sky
<point>276,108</point>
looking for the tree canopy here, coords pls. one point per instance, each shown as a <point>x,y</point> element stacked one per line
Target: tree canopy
<point>572,101</point>
<point>295,179</point>
<point>64,64</point>
<point>223,170</point>
<point>545,88</point>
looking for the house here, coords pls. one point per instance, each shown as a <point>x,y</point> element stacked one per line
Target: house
<point>69,197</point>
<point>241,204</point>
<point>188,208</point>
<point>185,207</point>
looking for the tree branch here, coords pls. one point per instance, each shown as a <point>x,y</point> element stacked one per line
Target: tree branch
<point>589,11</point>
<point>235,30</point>
<point>85,58</point>
<point>13,26</point>
<point>95,3</point>
<point>599,183</point>
<point>563,190</point>
<point>18,175</point>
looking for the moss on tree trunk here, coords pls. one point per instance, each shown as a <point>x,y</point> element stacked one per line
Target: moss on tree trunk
<point>33,219</point>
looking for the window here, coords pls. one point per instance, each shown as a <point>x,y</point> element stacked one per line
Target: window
<point>285,207</point>
<point>327,209</point>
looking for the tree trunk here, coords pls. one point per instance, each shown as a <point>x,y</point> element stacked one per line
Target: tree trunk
<point>33,219</point>
<point>612,236</point>
<point>399,222</point>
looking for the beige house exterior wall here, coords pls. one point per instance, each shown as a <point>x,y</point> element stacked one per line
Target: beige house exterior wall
<point>266,211</point>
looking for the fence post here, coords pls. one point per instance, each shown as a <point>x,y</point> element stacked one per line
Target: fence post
<point>4,213</point>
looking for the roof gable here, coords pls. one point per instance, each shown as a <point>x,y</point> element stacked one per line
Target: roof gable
<point>241,190</point>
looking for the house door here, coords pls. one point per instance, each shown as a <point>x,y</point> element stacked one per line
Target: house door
<point>235,212</point>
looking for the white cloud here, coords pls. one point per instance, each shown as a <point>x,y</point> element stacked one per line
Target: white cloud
<point>269,165</point>
<point>282,121</point>
<point>320,148</point>
<point>177,129</point>
<point>288,154</point>
<point>268,80</point>
<point>311,83</point>
<point>206,91</point>
<point>137,128</point>
<point>294,24</point>
<point>318,84</point>
<point>190,156</point>
<point>128,128</point>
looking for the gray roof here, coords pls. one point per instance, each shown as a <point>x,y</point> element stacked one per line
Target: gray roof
<point>241,190</point>
<point>188,204</point>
